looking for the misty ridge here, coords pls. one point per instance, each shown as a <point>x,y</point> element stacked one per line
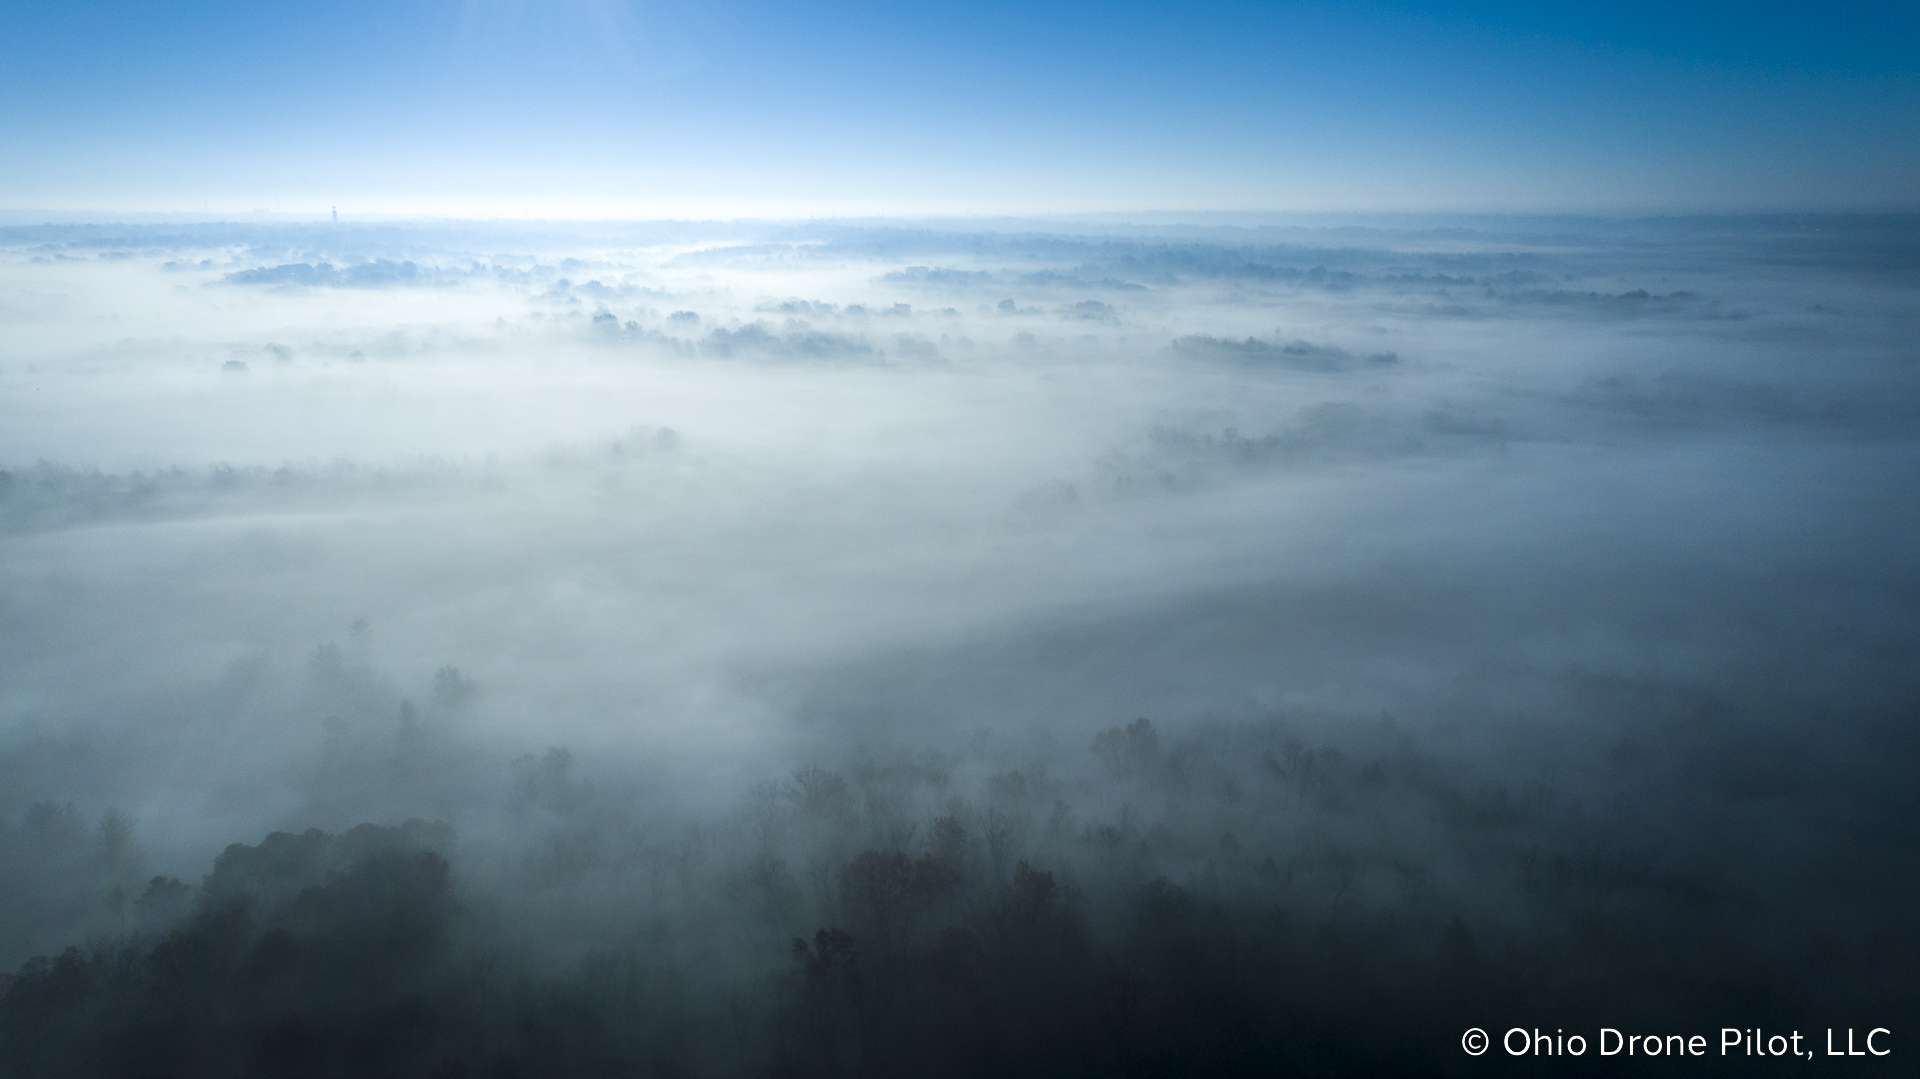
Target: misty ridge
<point>1018,647</point>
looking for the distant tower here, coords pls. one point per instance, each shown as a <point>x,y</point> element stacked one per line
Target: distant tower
<point>336,215</point>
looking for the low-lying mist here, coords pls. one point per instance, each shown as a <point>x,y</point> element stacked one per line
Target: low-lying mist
<point>953,648</point>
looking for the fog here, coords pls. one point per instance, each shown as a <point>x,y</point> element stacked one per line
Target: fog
<point>1521,612</point>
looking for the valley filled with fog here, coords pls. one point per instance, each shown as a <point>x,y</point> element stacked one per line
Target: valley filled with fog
<point>1305,639</point>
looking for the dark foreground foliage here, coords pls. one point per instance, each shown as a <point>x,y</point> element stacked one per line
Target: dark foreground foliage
<point>361,974</point>
<point>1006,937</point>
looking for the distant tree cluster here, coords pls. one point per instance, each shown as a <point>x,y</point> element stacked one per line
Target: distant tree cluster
<point>68,878</point>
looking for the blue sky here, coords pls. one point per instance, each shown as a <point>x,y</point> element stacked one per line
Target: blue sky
<point>608,108</point>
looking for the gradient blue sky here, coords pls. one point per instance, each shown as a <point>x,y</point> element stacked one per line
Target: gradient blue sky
<point>739,107</point>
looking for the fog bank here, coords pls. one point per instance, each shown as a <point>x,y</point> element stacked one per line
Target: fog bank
<point>1525,605</point>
